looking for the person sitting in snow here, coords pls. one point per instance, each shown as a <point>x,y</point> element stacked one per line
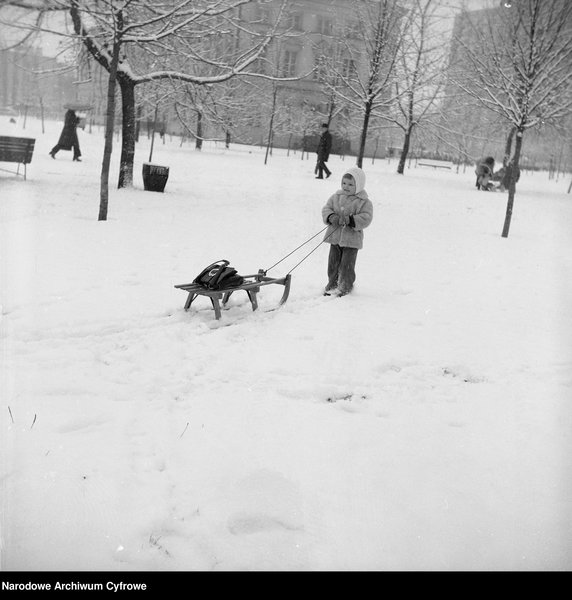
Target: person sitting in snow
<point>347,212</point>
<point>484,171</point>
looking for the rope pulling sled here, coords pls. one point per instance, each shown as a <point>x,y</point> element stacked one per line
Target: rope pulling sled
<point>219,280</point>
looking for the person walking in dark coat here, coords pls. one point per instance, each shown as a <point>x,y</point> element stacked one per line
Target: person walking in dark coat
<point>323,152</point>
<point>68,138</point>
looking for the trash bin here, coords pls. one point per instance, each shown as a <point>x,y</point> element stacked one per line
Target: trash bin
<point>155,177</point>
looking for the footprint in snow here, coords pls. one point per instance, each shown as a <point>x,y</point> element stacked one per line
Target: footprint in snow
<point>462,374</point>
<point>347,396</point>
<point>265,501</point>
<point>245,523</point>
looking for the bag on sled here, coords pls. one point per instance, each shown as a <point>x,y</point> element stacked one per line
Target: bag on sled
<point>219,275</point>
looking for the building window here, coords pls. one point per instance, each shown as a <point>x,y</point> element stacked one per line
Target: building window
<point>295,21</point>
<point>319,69</point>
<point>289,63</point>
<point>349,68</point>
<point>321,66</point>
<point>263,14</point>
<point>353,30</point>
<point>325,25</point>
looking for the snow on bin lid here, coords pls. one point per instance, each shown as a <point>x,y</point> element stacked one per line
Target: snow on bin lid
<point>78,106</point>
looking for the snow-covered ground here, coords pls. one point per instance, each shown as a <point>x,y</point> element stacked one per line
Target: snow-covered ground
<point>421,423</point>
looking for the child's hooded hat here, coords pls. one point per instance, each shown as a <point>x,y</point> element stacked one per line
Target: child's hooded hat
<point>359,178</point>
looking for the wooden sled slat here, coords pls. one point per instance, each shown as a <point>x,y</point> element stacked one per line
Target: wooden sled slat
<point>251,285</point>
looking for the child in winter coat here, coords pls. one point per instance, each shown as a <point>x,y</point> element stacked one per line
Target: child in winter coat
<point>347,212</point>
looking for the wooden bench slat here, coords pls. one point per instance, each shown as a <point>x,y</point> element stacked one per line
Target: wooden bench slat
<point>15,156</point>
<point>434,164</point>
<point>17,150</point>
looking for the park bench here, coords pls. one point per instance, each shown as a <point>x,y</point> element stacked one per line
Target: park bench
<point>251,285</point>
<point>16,150</point>
<point>436,164</point>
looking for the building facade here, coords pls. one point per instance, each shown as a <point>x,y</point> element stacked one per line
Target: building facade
<point>316,39</point>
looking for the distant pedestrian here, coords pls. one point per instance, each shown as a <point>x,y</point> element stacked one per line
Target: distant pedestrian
<point>323,152</point>
<point>68,138</point>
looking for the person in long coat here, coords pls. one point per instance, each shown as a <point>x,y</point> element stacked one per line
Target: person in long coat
<point>68,137</point>
<point>323,152</point>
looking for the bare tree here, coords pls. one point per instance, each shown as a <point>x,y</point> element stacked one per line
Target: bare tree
<point>520,60</point>
<point>228,107</point>
<point>420,72</point>
<point>335,58</point>
<point>367,90</point>
<point>110,118</point>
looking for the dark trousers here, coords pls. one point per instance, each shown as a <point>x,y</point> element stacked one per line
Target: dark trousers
<point>341,268</point>
<point>322,168</point>
<point>76,150</point>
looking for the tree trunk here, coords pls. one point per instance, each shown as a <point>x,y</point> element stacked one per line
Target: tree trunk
<point>128,132</point>
<point>199,138</point>
<point>508,147</point>
<point>404,151</point>
<point>271,124</point>
<point>375,151</point>
<point>109,122</point>
<point>42,112</point>
<point>512,184</point>
<point>138,123</point>
<point>363,138</point>
<point>153,134</point>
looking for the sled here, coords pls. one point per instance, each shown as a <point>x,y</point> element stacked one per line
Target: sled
<point>251,285</point>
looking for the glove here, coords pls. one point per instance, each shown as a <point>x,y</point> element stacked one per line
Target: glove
<point>334,219</point>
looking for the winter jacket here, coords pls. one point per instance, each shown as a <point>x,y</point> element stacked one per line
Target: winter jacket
<point>485,167</point>
<point>324,146</point>
<point>68,137</point>
<point>483,170</point>
<point>358,206</point>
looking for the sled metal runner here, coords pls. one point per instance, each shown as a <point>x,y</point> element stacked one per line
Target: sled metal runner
<point>251,285</point>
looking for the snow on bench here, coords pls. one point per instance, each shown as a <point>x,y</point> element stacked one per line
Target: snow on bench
<point>436,164</point>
